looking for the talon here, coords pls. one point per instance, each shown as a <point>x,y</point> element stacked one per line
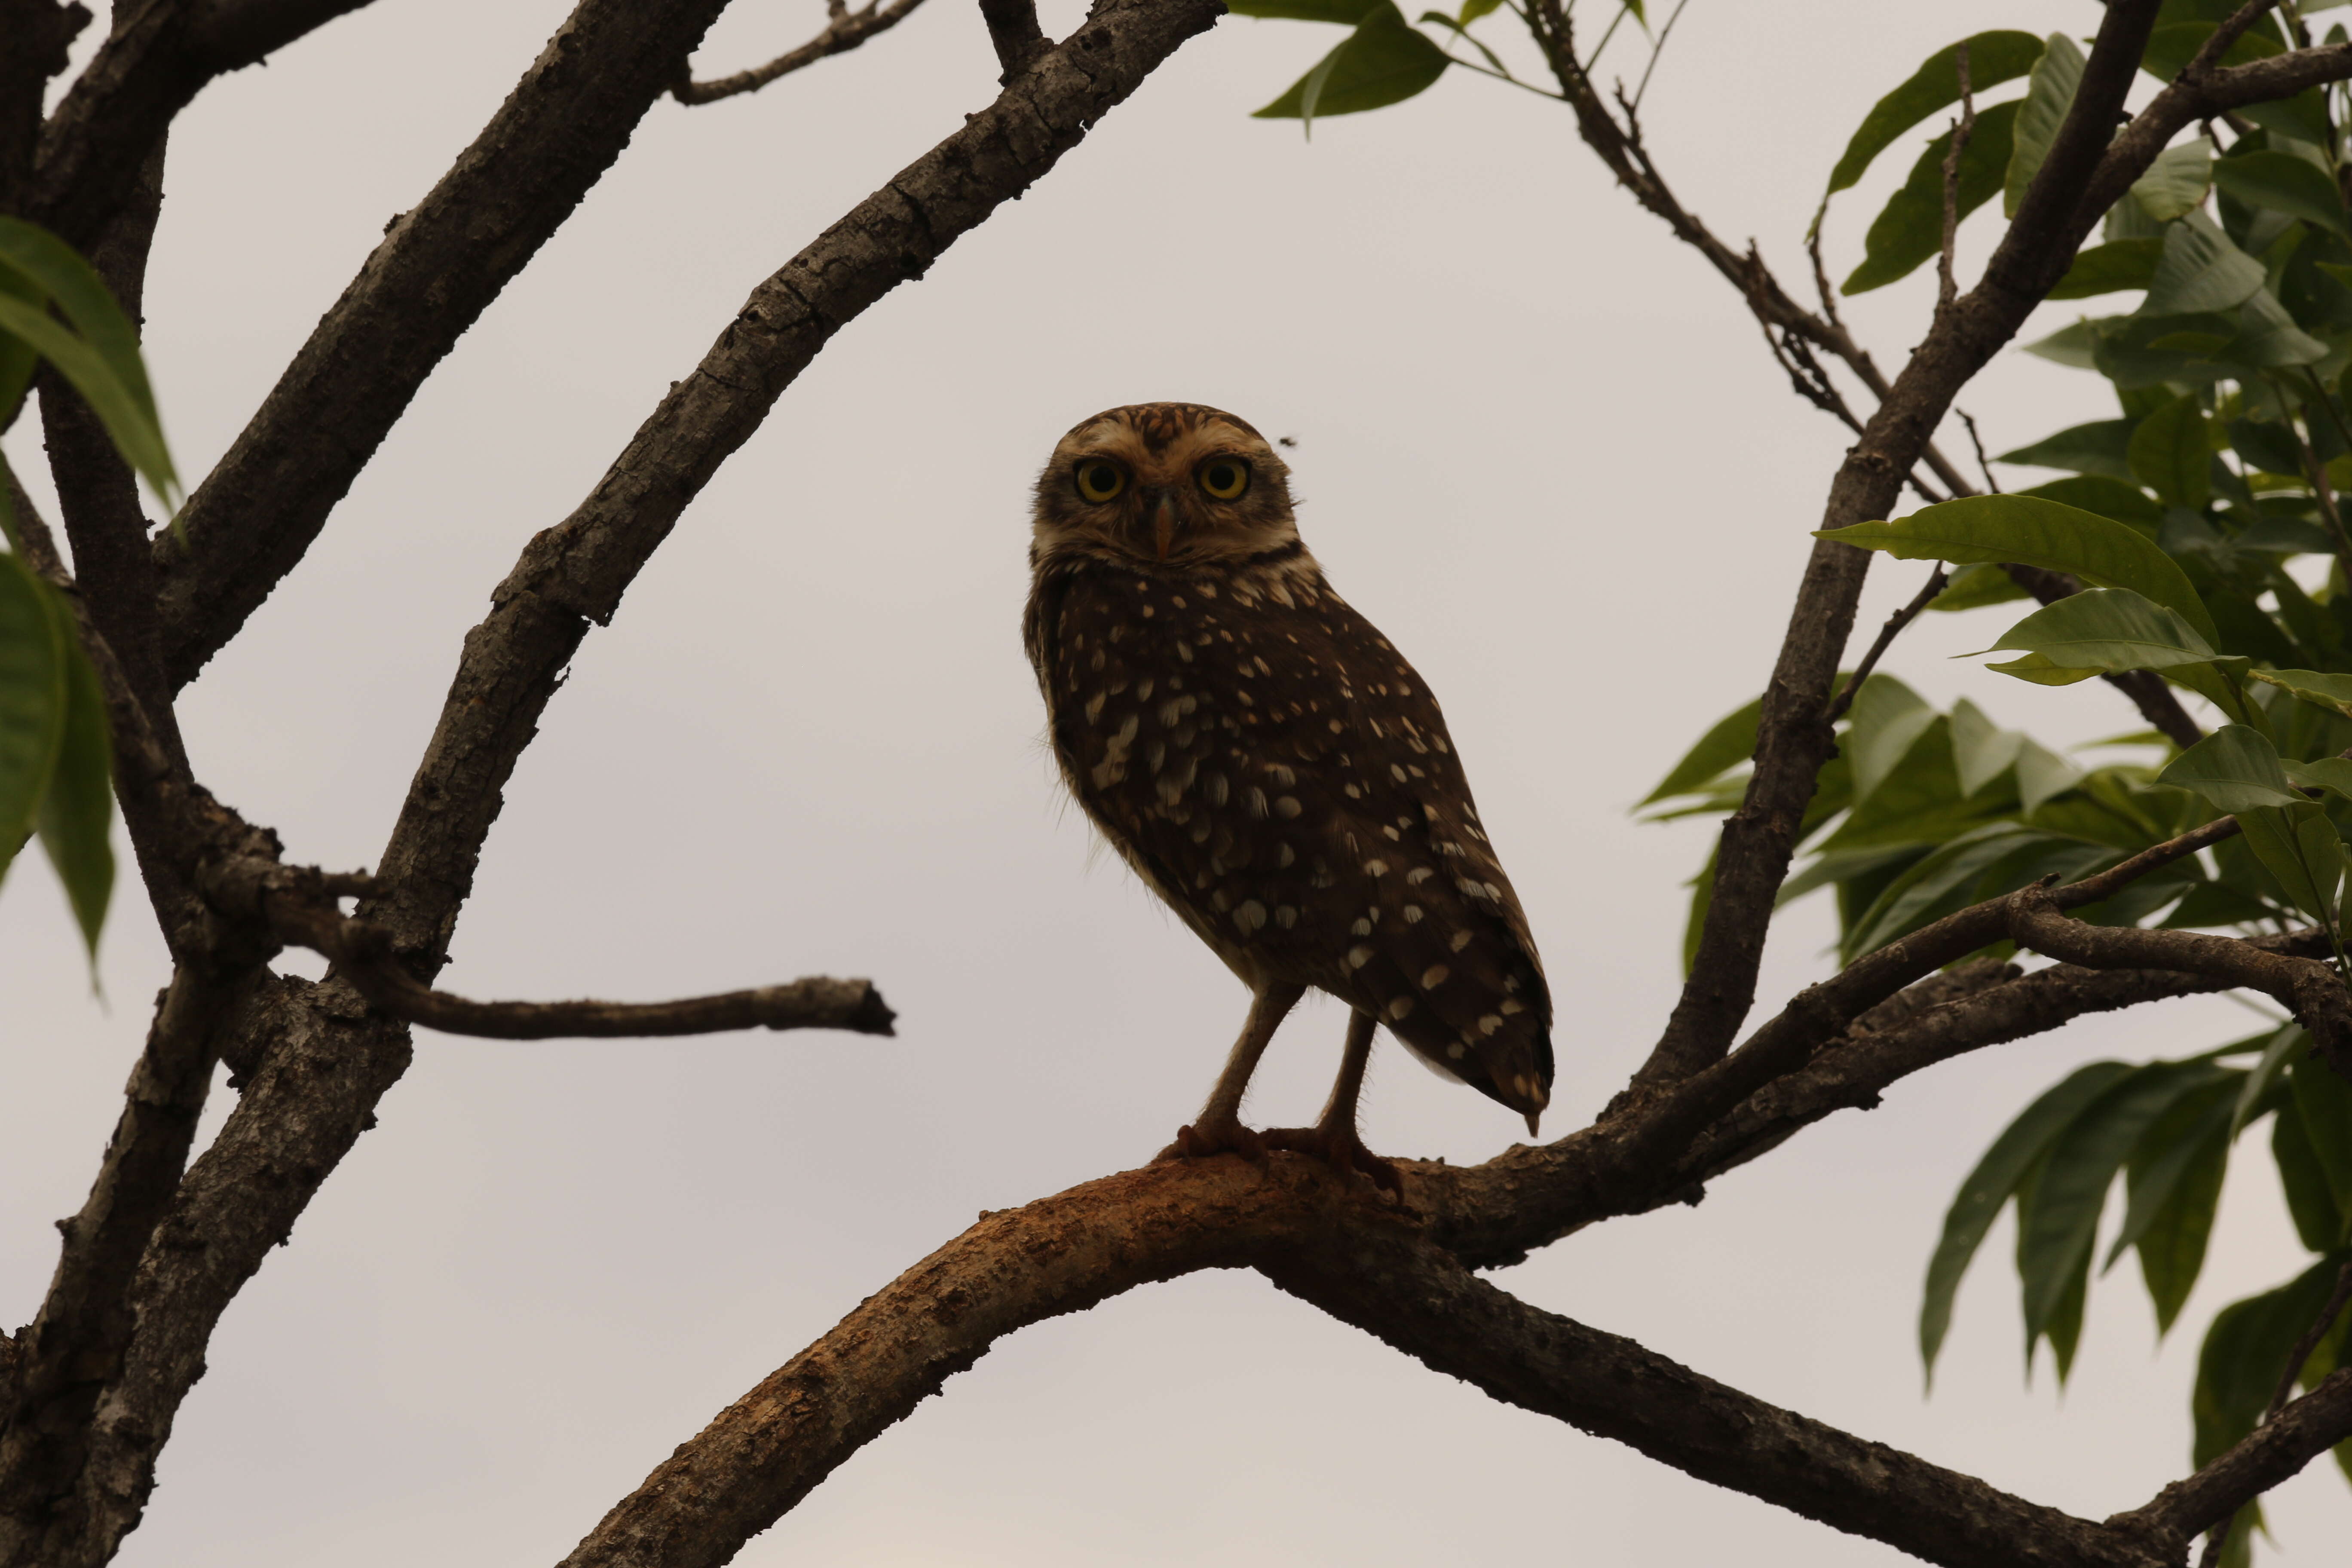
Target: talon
<point>1192,1143</point>
<point>1343,1152</point>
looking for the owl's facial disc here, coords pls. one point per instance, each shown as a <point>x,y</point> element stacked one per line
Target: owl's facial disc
<point>1172,483</point>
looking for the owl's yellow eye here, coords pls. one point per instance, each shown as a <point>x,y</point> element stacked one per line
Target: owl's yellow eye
<point>1225,478</point>
<point>1099,481</point>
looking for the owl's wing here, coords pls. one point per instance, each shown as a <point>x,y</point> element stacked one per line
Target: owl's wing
<point>1442,953</point>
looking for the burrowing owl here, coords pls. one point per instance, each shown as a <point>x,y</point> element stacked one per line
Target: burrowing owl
<point>1271,767</point>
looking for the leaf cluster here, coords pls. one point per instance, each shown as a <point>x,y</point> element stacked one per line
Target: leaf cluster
<point>56,757</point>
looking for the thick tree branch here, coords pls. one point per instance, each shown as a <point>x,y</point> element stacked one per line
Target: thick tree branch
<point>158,58</point>
<point>1012,29</point>
<point>2306,988</point>
<point>845,31</point>
<point>315,1060</point>
<point>1638,1154</point>
<point>1793,736</point>
<point>1385,1279</point>
<point>439,268</point>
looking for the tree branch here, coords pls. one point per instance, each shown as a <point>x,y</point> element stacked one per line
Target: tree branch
<point>2274,1451</point>
<point>1793,737</point>
<point>315,1060</point>
<point>2307,988</point>
<point>437,269</point>
<point>845,31</point>
<point>159,56</point>
<point>1381,1277</point>
<point>1012,29</point>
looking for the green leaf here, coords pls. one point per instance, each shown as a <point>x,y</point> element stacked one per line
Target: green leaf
<point>2174,1182</point>
<point>99,355</point>
<point>1730,742</point>
<point>2298,845</point>
<point>2332,693</point>
<point>1910,228</point>
<point>2102,447</point>
<point>2038,533</point>
<point>2267,337</point>
<point>2110,498</point>
<point>77,816</point>
<point>2287,1040</point>
<point>1975,1206</point>
<point>2105,268</point>
<point>132,429</point>
<point>1889,718</point>
<point>2331,773</point>
<point>1473,10</point>
<point>1994,57</point>
<point>2176,181</point>
<point>2096,632</point>
<point>1974,587</point>
<point>2310,1200</point>
<point>2245,1354</point>
<point>2235,769</point>
<point>2049,94</point>
<point>2042,774</point>
<point>2199,270</point>
<point>1981,750</point>
<point>2076,344</point>
<point>2170,455</point>
<point>2059,1221</point>
<point>2283,182</point>
<point>1383,61</point>
<point>1998,858</point>
<point>2324,1102</point>
<point>32,703</point>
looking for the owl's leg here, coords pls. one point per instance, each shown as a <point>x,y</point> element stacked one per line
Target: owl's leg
<point>1334,1139</point>
<point>1219,1127</point>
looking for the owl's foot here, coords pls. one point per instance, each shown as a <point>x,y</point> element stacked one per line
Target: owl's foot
<point>1340,1148</point>
<point>1200,1139</point>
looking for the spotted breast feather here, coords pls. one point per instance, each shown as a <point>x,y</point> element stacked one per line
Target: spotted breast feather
<point>1280,775</point>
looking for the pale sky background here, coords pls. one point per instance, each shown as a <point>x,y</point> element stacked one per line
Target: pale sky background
<point>1540,445</point>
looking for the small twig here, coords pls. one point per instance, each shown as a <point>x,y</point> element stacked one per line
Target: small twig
<point>843,31</point>
<point>299,904</point>
<point>1984,466</point>
<point>1821,279</point>
<point>1656,49</point>
<point>1937,581</point>
<point>1947,288</point>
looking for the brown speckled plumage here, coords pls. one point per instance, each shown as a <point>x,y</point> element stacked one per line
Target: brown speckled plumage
<point>1268,764</point>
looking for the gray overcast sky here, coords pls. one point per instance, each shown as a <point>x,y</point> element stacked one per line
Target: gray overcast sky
<point>1540,445</point>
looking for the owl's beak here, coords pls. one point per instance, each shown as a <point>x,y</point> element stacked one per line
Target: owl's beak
<point>1163,524</point>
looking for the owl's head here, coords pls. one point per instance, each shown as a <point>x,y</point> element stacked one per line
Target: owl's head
<point>1174,484</point>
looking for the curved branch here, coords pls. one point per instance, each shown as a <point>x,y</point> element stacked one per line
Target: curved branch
<point>2270,1454</point>
<point>2309,989</point>
<point>846,31</point>
<point>114,116</point>
<point>315,1061</point>
<point>439,268</point>
<point>1793,736</point>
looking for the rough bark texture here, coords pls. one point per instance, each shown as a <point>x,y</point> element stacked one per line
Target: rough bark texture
<point>1793,735</point>
<point>312,1061</point>
<point>158,57</point>
<point>89,1391</point>
<point>439,268</point>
